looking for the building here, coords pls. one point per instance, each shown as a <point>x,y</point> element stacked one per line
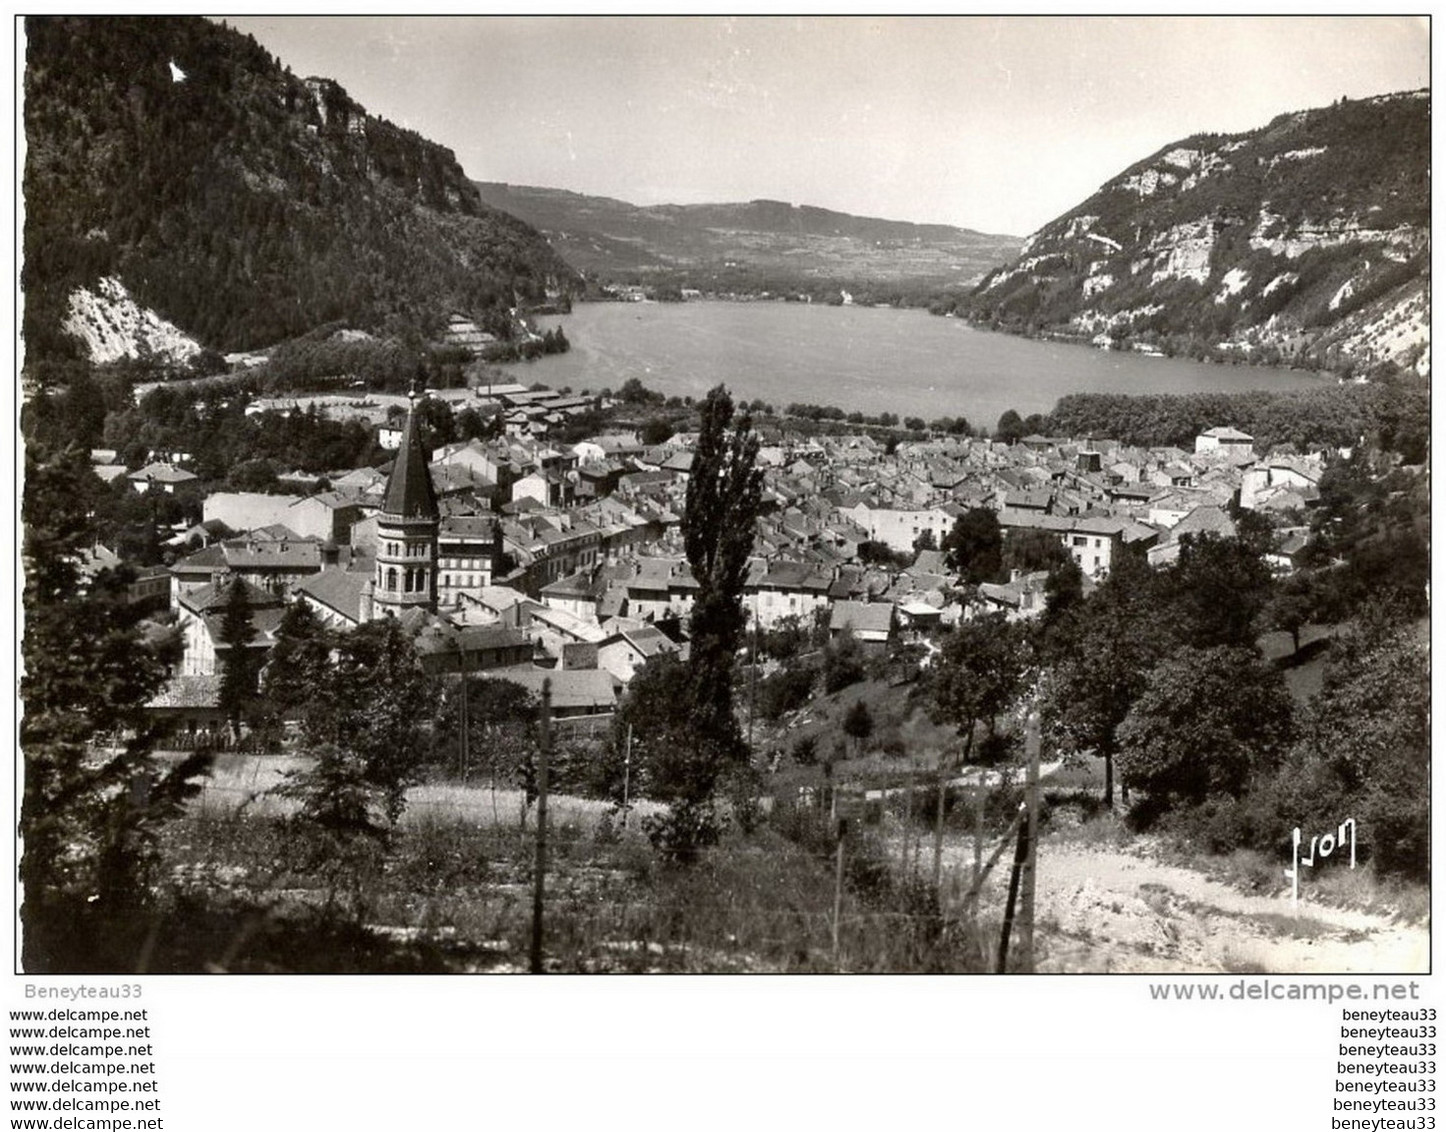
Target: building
<point>786,589</point>
<point>1224,440</point>
<point>898,528</point>
<point>407,527</point>
<point>468,550</point>
<point>160,477</point>
<point>200,614</point>
<point>871,622</point>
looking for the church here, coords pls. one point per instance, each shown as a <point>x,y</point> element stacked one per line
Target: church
<point>405,578</point>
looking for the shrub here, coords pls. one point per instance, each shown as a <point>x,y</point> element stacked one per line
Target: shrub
<point>784,692</point>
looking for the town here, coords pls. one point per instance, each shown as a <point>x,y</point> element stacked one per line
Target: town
<point>391,603</point>
<point>523,556</point>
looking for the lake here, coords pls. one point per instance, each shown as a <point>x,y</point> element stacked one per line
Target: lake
<point>874,360</point>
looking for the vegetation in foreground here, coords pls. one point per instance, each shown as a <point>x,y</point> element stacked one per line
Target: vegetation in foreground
<point>1116,671</point>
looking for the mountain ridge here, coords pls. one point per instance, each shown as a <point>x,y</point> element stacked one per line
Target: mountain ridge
<point>1305,241</point>
<point>717,245</point>
<point>245,205</point>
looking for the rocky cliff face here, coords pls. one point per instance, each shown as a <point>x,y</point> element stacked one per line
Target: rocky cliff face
<point>1305,242</point>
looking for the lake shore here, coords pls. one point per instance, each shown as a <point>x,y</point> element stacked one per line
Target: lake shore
<point>866,359</point>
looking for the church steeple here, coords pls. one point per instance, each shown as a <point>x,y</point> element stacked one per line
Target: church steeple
<point>406,574</point>
<point>410,494</point>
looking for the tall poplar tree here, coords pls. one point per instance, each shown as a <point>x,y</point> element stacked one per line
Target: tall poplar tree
<point>725,492</point>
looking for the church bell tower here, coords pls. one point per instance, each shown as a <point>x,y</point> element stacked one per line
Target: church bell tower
<point>406,573</point>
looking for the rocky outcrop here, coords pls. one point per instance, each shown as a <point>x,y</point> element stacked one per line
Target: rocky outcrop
<point>1305,242</point>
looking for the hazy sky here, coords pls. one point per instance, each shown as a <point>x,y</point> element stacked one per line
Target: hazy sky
<point>994,123</point>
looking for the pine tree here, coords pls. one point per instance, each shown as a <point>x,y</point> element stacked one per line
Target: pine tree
<point>94,799</point>
<point>238,663</point>
<point>371,706</point>
<point>298,660</point>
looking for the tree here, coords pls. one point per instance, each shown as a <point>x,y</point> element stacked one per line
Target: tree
<point>1291,605</point>
<point>501,719</point>
<point>656,430</point>
<point>978,673</point>
<point>298,661</point>
<point>872,552</point>
<point>1063,592</point>
<point>94,799</point>
<point>371,707</point>
<point>1370,727</point>
<point>1010,428</point>
<point>1215,591</point>
<point>925,541</point>
<point>239,663</point>
<point>843,662</point>
<point>1206,722</point>
<point>974,548</point>
<point>858,723</point>
<point>1104,652</point>
<point>724,495</point>
<point>650,711</point>
<point>1030,550</point>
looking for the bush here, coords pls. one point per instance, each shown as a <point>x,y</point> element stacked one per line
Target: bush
<point>805,750</point>
<point>784,692</point>
<point>843,664</point>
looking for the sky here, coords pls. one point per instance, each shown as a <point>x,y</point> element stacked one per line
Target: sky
<point>996,123</point>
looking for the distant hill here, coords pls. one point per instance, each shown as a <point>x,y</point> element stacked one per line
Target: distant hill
<point>172,163</point>
<point>761,244</point>
<point>1306,241</point>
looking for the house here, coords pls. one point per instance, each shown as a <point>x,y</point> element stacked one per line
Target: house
<point>579,695</point>
<point>627,649</point>
<point>200,613</point>
<point>1223,439</point>
<point>661,588</point>
<point>247,510</point>
<point>1205,519</point>
<point>468,547</point>
<point>341,599</point>
<point>611,446</point>
<point>899,529</point>
<point>1019,599</point>
<point>188,711</point>
<point>273,565</point>
<point>150,588</point>
<point>160,477</point>
<point>548,487</point>
<point>1269,478</point>
<point>1288,555</point>
<point>447,648</point>
<point>1095,542</point>
<point>786,589</point>
<point>872,623</point>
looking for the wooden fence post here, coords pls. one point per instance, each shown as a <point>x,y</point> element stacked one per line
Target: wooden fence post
<point>1019,852</point>
<point>1031,823</point>
<point>541,866</point>
<point>838,888</point>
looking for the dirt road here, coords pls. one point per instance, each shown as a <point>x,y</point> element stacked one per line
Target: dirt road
<point>1118,910</point>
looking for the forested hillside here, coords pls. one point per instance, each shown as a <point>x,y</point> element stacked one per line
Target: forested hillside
<point>754,246</point>
<point>238,201</point>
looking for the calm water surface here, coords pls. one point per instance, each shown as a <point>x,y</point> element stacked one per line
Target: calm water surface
<point>907,362</point>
